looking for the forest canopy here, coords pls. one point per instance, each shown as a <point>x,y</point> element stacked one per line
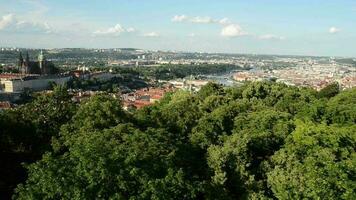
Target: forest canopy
<point>262,140</point>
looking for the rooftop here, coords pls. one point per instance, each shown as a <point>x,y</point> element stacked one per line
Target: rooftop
<point>4,105</point>
<point>15,76</point>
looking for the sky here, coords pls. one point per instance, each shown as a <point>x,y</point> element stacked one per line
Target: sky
<point>286,27</point>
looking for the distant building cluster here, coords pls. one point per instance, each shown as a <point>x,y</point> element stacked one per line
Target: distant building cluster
<point>38,74</point>
<point>312,75</point>
<point>189,85</point>
<point>79,96</point>
<point>33,75</point>
<point>348,81</point>
<point>144,97</point>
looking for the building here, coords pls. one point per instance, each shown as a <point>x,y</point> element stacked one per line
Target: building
<point>12,83</point>
<point>4,105</point>
<point>40,66</point>
<point>190,84</point>
<point>34,75</point>
<point>144,97</point>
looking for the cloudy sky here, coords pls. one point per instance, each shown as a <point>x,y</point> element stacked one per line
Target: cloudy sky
<point>301,27</point>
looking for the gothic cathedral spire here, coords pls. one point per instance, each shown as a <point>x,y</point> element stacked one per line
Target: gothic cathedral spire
<point>20,60</point>
<point>41,61</point>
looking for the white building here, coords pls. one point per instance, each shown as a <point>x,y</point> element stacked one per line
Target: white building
<point>17,83</point>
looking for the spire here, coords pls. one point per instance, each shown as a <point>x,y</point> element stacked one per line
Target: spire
<point>40,56</point>
<point>42,63</point>
<point>27,58</point>
<point>20,57</point>
<point>20,60</point>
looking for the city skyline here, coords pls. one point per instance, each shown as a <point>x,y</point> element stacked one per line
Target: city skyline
<point>318,28</point>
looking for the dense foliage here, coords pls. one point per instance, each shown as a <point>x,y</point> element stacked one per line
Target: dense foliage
<point>174,71</point>
<point>262,140</point>
<point>121,83</point>
<point>26,133</point>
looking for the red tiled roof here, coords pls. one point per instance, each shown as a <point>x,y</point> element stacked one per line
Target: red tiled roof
<point>156,96</point>
<point>11,76</point>
<point>5,105</point>
<point>14,76</point>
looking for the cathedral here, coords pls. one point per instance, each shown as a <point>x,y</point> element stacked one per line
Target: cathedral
<point>41,66</point>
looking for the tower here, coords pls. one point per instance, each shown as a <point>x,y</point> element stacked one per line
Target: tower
<point>20,62</point>
<point>42,63</point>
<point>26,64</point>
<point>27,60</point>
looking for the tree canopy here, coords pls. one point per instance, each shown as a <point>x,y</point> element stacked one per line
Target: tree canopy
<point>263,140</point>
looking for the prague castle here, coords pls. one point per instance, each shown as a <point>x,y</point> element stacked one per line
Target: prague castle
<point>33,75</point>
<point>41,66</point>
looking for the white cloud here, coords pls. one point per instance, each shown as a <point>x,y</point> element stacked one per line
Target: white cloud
<point>6,21</point>
<point>151,34</point>
<point>34,27</point>
<point>271,37</point>
<point>224,21</point>
<point>130,30</point>
<point>232,30</point>
<point>334,30</point>
<point>229,29</point>
<point>179,18</point>
<point>11,23</point>
<point>114,31</point>
<point>200,20</point>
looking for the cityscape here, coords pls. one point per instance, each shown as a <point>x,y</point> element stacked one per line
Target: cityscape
<point>313,72</point>
<point>177,100</point>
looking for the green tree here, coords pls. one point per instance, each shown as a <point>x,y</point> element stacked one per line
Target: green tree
<point>31,127</point>
<point>329,91</point>
<point>240,163</point>
<point>210,89</point>
<point>317,162</point>
<point>263,140</point>
<point>26,132</point>
<point>212,128</point>
<point>341,108</point>
<point>121,162</point>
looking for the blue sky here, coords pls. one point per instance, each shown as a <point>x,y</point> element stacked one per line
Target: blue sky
<point>298,27</point>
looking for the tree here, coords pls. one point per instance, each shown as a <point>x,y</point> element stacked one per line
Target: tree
<point>239,164</point>
<point>26,132</point>
<point>263,140</point>
<point>317,162</point>
<point>119,163</point>
<point>210,89</point>
<point>212,128</point>
<point>31,127</point>
<point>329,91</point>
<point>341,108</point>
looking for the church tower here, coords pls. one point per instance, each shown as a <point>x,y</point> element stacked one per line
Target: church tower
<point>27,64</point>
<point>20,62</point>
<point>42,63</point>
